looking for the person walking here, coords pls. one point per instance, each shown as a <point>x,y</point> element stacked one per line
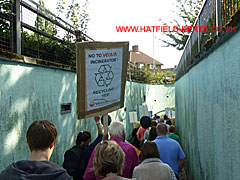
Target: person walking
<point>170,150</point>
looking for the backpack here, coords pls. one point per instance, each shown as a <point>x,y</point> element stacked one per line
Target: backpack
<point>74,162</point>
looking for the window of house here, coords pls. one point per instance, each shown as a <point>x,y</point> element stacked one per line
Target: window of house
<point>141,66</point>
<point>151,66</point>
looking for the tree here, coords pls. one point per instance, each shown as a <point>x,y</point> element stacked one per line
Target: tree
<point>188,12</point>
<point>74,12</point>
<point>134,73</point>
<point>5,10</point>
<point>42,23</point>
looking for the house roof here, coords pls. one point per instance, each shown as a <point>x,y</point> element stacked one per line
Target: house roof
<point>140,57</point>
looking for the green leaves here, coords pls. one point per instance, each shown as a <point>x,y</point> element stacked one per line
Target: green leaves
<point>146,76</point>
<point>188,12</point>
<point>75,12</point>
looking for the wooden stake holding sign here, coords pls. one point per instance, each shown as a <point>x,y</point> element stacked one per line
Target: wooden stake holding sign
<point>105,127</point>
<point>101,77</point>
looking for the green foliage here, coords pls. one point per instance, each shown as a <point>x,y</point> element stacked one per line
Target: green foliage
<point>42,23</point>
<point>49,49</point>
<point>148,77</point>
<point>5,10</point>
<point>36,45</point>
<point>4,28</point>
<point>188,12</point>
<point>5,6</point>
<point>75,12</point>
<point>10,55</point>
<point>134,73</point>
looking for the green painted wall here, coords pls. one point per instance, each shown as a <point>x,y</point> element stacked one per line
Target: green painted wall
<point>208,111</point>
<point>156,97</point>
<point>31,92</point>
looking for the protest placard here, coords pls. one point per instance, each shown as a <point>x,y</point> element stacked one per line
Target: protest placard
<point>101,77</point>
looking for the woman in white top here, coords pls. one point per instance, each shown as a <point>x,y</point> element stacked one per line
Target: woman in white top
<point>152,168</point>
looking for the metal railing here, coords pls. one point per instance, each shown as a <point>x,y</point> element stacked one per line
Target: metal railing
<point>213,13</point>
<point>31,30</point>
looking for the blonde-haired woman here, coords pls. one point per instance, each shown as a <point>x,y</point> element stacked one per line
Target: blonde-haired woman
<point>108,160</point>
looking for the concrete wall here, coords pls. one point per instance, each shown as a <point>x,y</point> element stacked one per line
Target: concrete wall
<point>208,111</point>
<point>156,97</point>
<point>31,92</point>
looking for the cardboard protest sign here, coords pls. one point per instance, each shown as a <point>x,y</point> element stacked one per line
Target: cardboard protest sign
<point>143,111</point>
<point>101,77</point>
<point>133,117</point>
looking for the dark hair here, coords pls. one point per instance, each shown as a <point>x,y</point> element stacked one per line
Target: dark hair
<point>145,122</point>
<point>162,128</point>
<point>165,117</point>
<point>149,150</point>
<point>154,123</point>
<point>171,129</point>
<point>40,135</point>
<point>134,132</point>
<point>169,122</point>
<point>152,134</point>
<point>82,136</point>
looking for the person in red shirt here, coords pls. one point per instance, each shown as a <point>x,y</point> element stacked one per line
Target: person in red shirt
<point>140,133</point>
<point>145,122</point>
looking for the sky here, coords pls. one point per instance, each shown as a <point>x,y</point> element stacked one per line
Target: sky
<point>105,15</point>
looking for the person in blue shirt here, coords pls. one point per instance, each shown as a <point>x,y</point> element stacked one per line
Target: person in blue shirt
<point>170,150</point>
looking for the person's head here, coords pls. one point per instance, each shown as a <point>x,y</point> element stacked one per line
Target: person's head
<point>145,122</point>
<point>169,122</point>
<point>152,134</point>
<point>161,120</point>
<point>171,129</point>
<point>162,129</point>
<point>149,150</point>
<point>41,135</point>
<point>83,138</point>
<point>165,117</point>
<point>153,123</point>
<point>134,132</point>
<point>138,125</point>
<point>116,129</point>
<point>108,158</point>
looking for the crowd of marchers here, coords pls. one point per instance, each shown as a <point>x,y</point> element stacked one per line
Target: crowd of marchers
<point>152,153</point>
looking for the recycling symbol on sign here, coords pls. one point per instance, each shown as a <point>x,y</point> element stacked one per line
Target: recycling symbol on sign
<point>104,76</point>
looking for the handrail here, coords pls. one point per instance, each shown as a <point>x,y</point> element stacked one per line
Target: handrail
<point>204,44</point>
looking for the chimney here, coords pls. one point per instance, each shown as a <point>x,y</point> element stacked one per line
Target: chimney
<point>135,48</point>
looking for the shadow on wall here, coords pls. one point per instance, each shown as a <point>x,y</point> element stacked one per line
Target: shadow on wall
<point>134,97</point>
<point>29,93</point>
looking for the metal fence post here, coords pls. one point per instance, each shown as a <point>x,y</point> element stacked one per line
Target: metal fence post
<point>16,28</point>
<point>78,35</point>
<point>199,40</point>
<point>38,31</point>
<point>218,15</point>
